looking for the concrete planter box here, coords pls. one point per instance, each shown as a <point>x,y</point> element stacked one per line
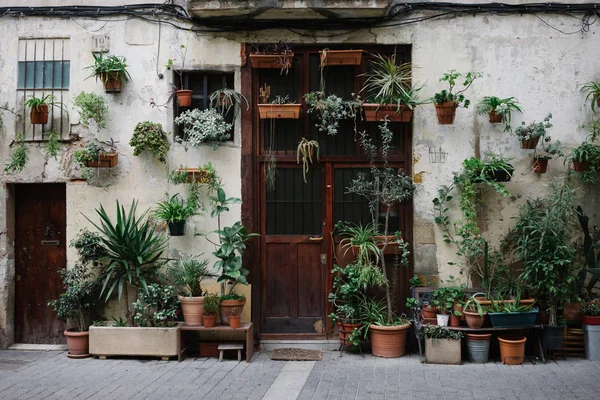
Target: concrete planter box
<point>134,341</point>
<point>442,351</point>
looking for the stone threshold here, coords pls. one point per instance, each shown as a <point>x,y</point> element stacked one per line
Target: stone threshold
<point>38,347</point>
<point>321,344</point>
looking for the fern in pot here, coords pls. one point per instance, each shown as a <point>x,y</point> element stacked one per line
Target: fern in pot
<point>203,126</point>
<point>499,110</point>
<point>175,212</point>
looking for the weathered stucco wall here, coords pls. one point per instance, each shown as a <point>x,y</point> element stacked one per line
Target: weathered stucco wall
<point>519,56</point>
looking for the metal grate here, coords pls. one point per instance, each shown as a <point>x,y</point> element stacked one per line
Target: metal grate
<point>44,68</point>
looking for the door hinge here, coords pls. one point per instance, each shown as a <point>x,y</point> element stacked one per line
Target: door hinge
<point>324,258</point>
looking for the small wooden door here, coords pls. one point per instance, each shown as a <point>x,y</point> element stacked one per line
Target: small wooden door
<point>40,250</point>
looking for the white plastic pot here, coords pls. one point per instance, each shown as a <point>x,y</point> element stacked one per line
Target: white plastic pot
<point>442,319</point>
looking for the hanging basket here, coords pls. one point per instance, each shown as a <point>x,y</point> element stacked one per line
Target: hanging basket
<point>196,174</point>
<point>581,166</point>
<point>279,111</point>
<point>39,114</point>
<point>184,97</point>
<point>391,112</point>
<point>112,81</point>
<point>540,165</point>
<point>105,160</point>
<point>530,144</point>
<point>495,118</point>
<point>279,61</point>
<point>446,112</point>
<point>341,57</point>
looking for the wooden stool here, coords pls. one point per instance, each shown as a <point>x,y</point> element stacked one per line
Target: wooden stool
<point>231,346</point>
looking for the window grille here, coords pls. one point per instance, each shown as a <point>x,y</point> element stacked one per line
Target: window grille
<point>44,69</point>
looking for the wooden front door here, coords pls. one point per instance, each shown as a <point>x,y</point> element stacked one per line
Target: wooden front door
<point>40,251</point>
<point>296,219</point>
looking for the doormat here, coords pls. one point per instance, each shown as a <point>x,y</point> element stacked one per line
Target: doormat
<point>296,355</point>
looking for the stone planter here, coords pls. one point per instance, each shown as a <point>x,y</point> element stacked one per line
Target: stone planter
<point>442,351</point>
<point>134,341</point>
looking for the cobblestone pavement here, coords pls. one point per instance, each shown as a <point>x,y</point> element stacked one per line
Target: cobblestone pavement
<point>51,375</point>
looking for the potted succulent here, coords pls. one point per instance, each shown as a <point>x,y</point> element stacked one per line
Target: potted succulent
<point>340,57</point>
<point>175,212</point>
<point>187,273</point>
<point>389,92</point>
<point>446,101</point>
<point>474,312</point>
<point>499,110</point>
<point>592,91</point>
<point>544,152</point>
<point>530,134</point>
<point>203,126</point>
<point>211,306</point>
<point>96,156</point>
<point>272,55</point>
<point>330,110</point>
<point>442,345</point>
<point>184,96</point>
<point>281,107</point>
<point>150,136</point>
<point>39,108</point>
<point>591,330</point>
<point>111,70</point>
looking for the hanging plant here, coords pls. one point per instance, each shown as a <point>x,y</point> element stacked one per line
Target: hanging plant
<point>447,101</point>
<point>331,110</point>
<point>150,136</point>
<point>202,126</point>
<point>306,149</point>
<point>112,71</point>
<point>499,110</point>
<point>530,134</point>
<point>91,107</point>
<point>19,157</point>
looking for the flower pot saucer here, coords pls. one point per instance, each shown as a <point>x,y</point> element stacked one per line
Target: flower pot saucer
<point>78,355</point>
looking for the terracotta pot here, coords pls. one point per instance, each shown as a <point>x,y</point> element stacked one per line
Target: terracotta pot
<point>484,302</point>
<point>112,82</point>
<point>235,322</point>
<point>388,341</point>
<point>580,166</point>
<point>78,343</point>
<point>429,312</point>
<point>196,174</point>
<point>344,331</point>
<point>208,349</point>
<point>345,255</point>
<point>495,118</point>
<point>572,312</point>
<point>391,247</point>
<point>209,321</point>
<point>279,111</point>
<point>591,320</point>
<point>479,336</point>
<point>512,349</point>
<point>530,143</point>
<point>379,112</point>
<point>446,112</point>
<point>184,97</point>
<point>225,309</point>
<point>540,165</point>
<point>474,320</point>
<point>271,60</point>
<point>454,320</point>
<point>341,57</point>
<point>39,114</point>
<point>105,160</point>
<point>193,308</point>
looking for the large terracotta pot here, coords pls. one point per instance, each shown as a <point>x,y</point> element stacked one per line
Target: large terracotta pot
<point>474,320</point>
<point>388,341</point>
<point>345,330</point>
<point>446,112</point>
<point>193,308</point>
<point>78,343</point>
<point>227,306</point>
<point>39,114</point>
<point>512,349</point>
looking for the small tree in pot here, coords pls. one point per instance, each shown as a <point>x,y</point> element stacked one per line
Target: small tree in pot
<point>447,101</point>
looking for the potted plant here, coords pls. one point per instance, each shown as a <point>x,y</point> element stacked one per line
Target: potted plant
<point>443,300</point>
<point>474,312</point>
<point>512,314</point>
<point>234,318</point>
<point>96,156</point>
<point>39,107</point>
<point>272,55</point>
<point>112,71</point>
<point>591,330</point>
<point>592,91</point>
<point>203,126</point>
<point>91,107</point>
<point>205,174</point>
<point>389,91</point>
<point>211,306</point>
<point>150,136</point>
<point>184,96</point>
<point>175,212</point>
<point>226,100</point>
<point>281,107</point>
<point>442,346</point>
<point>493,168</point>
<point>544,152</point>
<point>530,134</point>
<point>499,110</point>
<point>586,157</point>
<point>446,101</point>
<point>187,274</point>
<point>357,244</point>
<point>512,349</point>
<point>330,110</point>
<point>306,149</point>
<point>340,57</point>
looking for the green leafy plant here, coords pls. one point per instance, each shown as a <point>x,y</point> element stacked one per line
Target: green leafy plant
<point>211,303</point>
<point>591,309</point>
<point>545,149</point>
<point>587,152</point>
<point>120,322</point>
<point>457,97</point>
<point>226,100</point>
<point>357,235</point>
<point>444,297</point>
<point>103,66</point>
<point>151,137</point>
<point>436,333</point>
<point>188,272</point>
<point>390,83</point>
<point>504,107</point>
<point>534,129</point>
<point>6,108</point>
<point>19,157</point>
<point>175,209</point>
<point>156,306</point>
<point>592,93</point>
<point>203,126</point>
<point>92,152</point>
<point>473,304</point>
<point>91,107</point>
<point>47,100</point>
<point>330,110</point>
<point>133,251</point>
<point>52,145</point>
<point>306,150</point>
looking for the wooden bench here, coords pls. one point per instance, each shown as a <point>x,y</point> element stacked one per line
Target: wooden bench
<point>247,328</point>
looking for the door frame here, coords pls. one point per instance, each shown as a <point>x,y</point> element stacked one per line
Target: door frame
<point>251,172</point>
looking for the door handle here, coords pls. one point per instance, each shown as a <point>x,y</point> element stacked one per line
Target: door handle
<point>316,239</point>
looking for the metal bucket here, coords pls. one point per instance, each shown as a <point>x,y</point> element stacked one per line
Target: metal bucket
<point>592,342</point>
<point>478,350</point>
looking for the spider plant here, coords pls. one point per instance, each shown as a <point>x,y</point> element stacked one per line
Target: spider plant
<point>114,65</point>
<point>225,99</point>
<point>360,236</point>
<point>306,149</point>
<point>503,107</point>
<point>174,210</point>
<point>591,90</point>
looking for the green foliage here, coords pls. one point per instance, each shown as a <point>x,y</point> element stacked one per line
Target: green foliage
<point>590,244</point>
<point>587,152</point>
<point>306,149</point>
<point>361,236</point>
<point>19,157</point>
<point>110,64</point>
<point>36,102</point>
<point>534,129</point>
<point>439,332</point>
<point>151,137</point>
<point>504,107</point>
<point>121,323</point>
<point>188,272</point>
<point>444,297</point>
<point>211,303</point>
<point>458,97</point>
<point>592,93</point>
<point>156,306</point>
<point>6,108</point>
<point>203,126</point>
<point>52,145</point>
<point>89,247</point>
<point>591,309</point>
<point>91,107</point>
<point>331,110</point>
<point>175,209</point>
<point>473,304</point>
<point>233,296</point>
<point>224,100</point>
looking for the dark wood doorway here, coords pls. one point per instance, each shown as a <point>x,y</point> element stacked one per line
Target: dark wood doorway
<point>40,252</point>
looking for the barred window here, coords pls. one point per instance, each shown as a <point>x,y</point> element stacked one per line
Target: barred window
<point>44,69</point>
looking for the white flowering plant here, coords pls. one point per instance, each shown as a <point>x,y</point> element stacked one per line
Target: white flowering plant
<point>203,126</point>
